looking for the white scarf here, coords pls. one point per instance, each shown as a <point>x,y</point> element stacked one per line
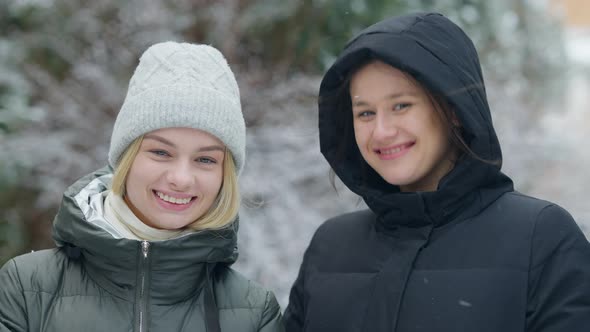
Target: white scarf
<point>123,221</point>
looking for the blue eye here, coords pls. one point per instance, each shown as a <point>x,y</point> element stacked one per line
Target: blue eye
<point>401,106</point>
<point>206,160</point>
<point>364,114</point>
<point>160,153</point>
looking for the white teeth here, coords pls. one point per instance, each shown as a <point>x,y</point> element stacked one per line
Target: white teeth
<point>391,151</point>
<point>173,199</point>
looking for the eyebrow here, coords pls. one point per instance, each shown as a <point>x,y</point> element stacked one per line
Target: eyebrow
<point>390,96</point>
<point>167,142</point>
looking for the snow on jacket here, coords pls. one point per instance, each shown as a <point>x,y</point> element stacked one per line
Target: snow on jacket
<point>95,282</point>
<point>475,255</point>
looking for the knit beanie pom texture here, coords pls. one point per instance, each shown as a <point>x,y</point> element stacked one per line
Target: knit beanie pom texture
<point>181,85</point>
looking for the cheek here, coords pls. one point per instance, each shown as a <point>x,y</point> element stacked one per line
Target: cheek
<point>140,176</point>
<point>214,181</point>
<point>218,184</point>
<point>360,136</point>
<point>440,132</point>
<point>131,188</point>
<point>133,179</point>
<point>441,145</point>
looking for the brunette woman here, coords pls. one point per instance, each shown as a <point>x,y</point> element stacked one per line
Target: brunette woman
<point>447,244</point>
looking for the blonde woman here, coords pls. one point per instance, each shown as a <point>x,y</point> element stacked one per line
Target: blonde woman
<point>147,243</point>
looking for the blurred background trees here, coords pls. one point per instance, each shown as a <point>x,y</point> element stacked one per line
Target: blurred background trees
<point>65,66</point>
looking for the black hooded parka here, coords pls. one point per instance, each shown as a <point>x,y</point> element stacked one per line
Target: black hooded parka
<point>474,255</point>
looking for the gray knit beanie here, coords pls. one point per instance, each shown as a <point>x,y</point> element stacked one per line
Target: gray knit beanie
<point>181,85</point>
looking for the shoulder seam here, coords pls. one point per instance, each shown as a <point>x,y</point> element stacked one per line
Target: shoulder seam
<point>18,277</point>
<point>534,230</point>
<point>264,308</point>
<point>557,250</point>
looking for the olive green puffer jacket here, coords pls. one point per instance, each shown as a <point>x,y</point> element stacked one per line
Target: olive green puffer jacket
<point>95,282</point>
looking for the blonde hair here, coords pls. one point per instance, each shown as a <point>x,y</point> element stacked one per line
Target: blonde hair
<point>223,210</point>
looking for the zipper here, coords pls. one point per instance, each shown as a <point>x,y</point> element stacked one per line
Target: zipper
<point>141,300</point>
<point>145,249</point>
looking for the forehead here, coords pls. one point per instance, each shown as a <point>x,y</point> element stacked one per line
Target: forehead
<point>379,75</point>
<point>183,136</point>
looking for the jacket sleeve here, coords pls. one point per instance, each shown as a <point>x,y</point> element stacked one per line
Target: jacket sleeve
<point>272,320</point>
<point>559,277</point>
<point>13,315</point>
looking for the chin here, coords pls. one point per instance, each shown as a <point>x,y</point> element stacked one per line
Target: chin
<point>170,225</point>
<point>177,226</point>
<point>397,180</point>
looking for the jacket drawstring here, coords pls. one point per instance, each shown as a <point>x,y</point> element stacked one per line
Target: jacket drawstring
<point>211,310</point>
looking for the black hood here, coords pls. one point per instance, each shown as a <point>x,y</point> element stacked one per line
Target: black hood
<point>439,55</point>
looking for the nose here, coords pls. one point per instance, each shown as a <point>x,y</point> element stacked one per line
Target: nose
<point>385,126</point>
<point>180,176</point>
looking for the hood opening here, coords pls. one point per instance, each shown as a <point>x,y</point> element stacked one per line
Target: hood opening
<point>442,59</point>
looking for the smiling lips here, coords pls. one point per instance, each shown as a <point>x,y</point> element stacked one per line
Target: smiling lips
<point>394,152</point>
<point>174,203</point>
<point>173,199</point>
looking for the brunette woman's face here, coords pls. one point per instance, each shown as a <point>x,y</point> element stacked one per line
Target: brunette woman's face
<point>398,130</point>
<point>175,177</point>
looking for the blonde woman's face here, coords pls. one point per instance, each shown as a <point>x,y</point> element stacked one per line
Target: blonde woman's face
<point>175,177</point>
